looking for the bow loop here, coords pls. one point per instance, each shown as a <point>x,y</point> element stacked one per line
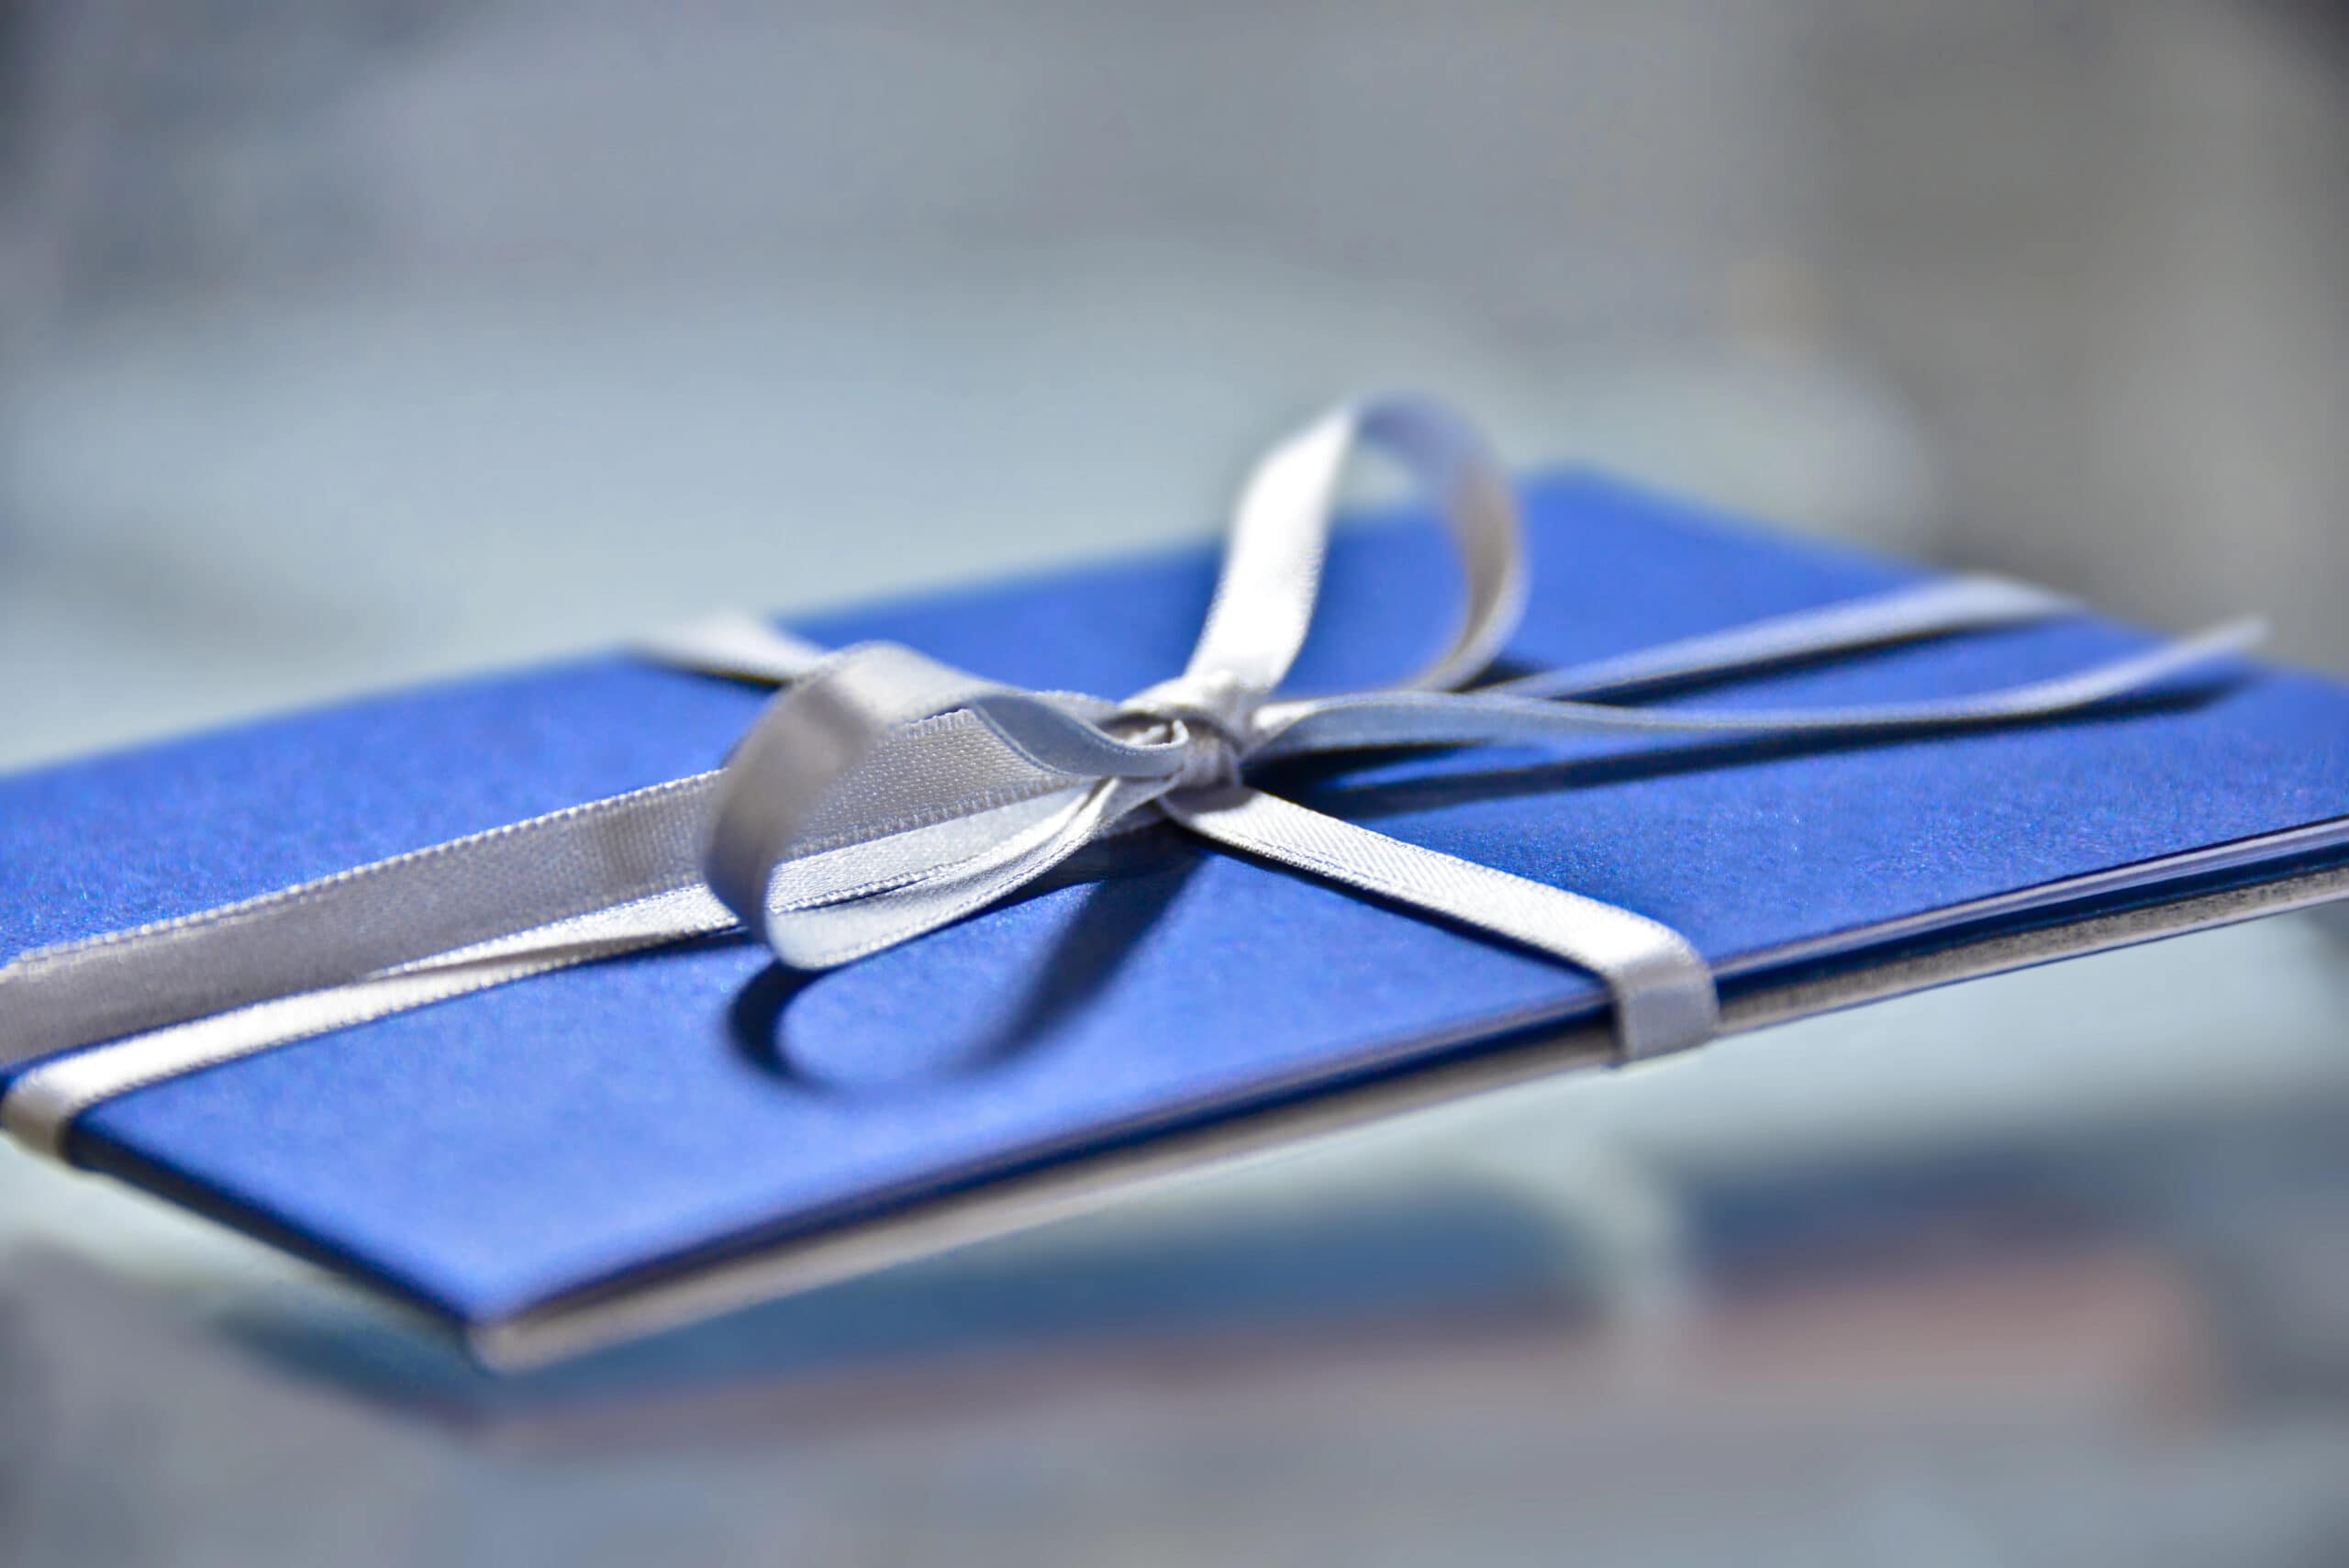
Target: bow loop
<point>1271,581</point>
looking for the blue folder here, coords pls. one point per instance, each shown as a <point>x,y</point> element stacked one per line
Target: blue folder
<point>597,1150</point>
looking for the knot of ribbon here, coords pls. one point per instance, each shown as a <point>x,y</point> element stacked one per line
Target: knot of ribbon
<point>885,793</point>
<point>1210,716</point>
<point>881,795</point>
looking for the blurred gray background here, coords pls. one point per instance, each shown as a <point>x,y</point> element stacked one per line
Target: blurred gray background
<point>348,343</point>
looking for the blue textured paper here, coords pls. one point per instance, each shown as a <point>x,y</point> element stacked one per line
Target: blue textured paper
<point>492,1153</point>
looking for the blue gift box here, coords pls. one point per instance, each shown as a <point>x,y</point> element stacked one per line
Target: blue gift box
<point>596,1151</point>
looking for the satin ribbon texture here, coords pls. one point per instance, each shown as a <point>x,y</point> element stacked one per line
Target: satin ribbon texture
<point>881,795</point>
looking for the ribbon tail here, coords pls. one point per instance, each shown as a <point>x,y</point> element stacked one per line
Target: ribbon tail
<point>1939,608</point>
<point>1662,989</point>
<point>1502,717</point>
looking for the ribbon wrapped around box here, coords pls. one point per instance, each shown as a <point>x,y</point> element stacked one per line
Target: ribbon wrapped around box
<point>885,797</point>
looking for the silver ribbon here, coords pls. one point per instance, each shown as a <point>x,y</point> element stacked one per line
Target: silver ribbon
<point>882,794</point>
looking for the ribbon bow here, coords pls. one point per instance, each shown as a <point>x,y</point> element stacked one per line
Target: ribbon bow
<point>882,794</point>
